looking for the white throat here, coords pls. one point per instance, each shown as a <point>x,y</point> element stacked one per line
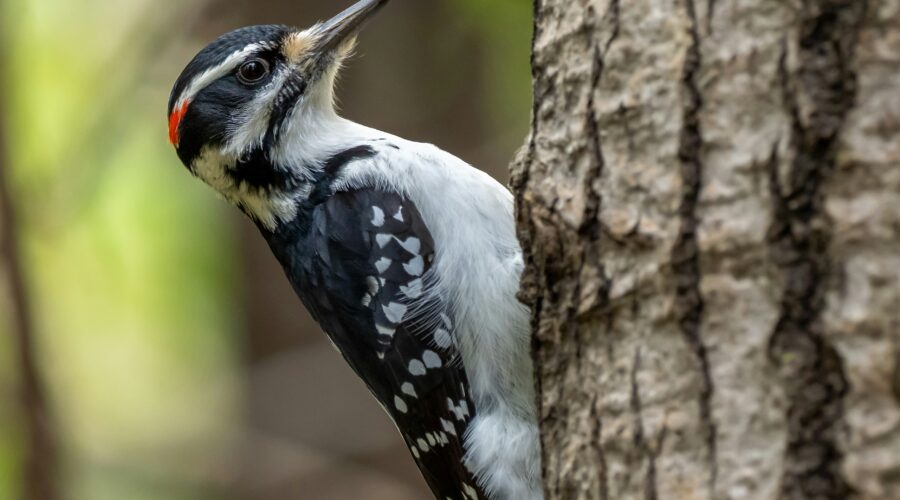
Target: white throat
<point>313,133</point>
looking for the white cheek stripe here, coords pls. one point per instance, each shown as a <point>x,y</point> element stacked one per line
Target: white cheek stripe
<point>254,117</point>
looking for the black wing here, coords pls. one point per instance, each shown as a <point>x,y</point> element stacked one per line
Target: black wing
<point>360,263</point>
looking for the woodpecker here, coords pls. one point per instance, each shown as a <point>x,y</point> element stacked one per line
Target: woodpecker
<point>406,255</point>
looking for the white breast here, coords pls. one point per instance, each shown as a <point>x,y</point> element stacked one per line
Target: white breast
<point>479,260</point>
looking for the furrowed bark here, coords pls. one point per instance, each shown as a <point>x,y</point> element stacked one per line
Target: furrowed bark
<point>709,202</point>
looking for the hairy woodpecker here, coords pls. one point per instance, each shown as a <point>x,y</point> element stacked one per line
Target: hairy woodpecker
<point>405,255</point>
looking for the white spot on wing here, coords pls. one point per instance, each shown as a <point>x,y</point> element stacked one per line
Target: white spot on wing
<point>399,215</point>
<point>413,290</point>
<point>385,330</point>
<point>383,239</point>
<point>415,451</point>
<point>448,426</point>
<point>400,404</point>
<point>415,267</point>
<point>408,389</point>
<point>447,323</point>
<point>372,284</point>
<point>442,338</point>
<point>395,312</point>
<point>431,439</point>
<point>422,445</point>
<point>377,217</point>
<point>412,245</point>
<point>383,264</point>
<point>431,359</point>
<point>416,368</point>
<point>461,411</point>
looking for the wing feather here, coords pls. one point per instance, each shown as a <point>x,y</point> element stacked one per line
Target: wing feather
<point>366,277</point>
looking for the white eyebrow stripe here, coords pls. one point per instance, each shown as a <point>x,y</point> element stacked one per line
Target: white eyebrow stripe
<point>212,74</point>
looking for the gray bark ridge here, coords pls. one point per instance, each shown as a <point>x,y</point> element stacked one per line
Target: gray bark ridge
<point>709,203</point>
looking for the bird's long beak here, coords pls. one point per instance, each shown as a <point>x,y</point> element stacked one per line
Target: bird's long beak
<point>332,33</point>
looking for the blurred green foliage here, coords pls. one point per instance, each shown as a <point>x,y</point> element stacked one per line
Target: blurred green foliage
<point>132,265</point>
<point>505,25</point>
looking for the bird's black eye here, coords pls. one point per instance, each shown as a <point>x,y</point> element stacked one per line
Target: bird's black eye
<point>253,71</point>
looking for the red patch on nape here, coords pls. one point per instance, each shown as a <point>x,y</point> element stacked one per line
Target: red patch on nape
<point>175,121</point>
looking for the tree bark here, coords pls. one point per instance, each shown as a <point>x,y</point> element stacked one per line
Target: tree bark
<point>709,203</point>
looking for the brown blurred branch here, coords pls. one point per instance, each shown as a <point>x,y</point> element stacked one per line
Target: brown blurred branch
<point>40,455</point>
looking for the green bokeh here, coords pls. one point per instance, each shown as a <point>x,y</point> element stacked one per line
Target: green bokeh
<point>132,265</point>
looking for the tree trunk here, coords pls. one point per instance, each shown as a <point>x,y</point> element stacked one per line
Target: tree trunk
<point>709,203</point>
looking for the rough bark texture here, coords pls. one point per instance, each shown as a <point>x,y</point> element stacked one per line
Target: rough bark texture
<point>709,203</point>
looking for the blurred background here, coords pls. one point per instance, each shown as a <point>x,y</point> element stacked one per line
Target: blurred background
<point>150,347</point>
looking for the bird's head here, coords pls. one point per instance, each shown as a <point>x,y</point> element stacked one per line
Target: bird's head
<point>243,108</point>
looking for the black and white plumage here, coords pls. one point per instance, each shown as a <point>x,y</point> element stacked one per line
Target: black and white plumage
<point>405,255</point>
